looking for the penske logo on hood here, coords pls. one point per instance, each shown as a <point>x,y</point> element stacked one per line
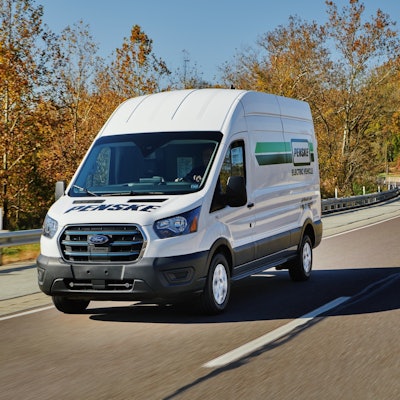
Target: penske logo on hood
<point>113,207</point>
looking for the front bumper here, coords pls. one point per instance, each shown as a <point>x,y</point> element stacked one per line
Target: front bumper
<point>149,279</point>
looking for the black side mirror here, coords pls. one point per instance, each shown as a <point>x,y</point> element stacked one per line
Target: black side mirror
<point>60,189</point>
<point>236,195</point>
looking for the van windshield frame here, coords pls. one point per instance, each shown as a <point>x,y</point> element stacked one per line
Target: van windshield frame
<point>159,163</point>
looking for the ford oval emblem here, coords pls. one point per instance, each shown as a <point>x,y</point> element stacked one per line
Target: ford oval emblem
<point>98,239</point>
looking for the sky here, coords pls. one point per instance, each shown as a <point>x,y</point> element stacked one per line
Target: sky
<point>208,33</point>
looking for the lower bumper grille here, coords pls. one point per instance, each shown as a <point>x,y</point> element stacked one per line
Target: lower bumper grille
<point>84,285</point>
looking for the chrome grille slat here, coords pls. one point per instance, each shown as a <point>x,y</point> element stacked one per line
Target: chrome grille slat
<point>116,243</point>
<point>101,232</point>
<point>89,254</point>
<point>125,243</point>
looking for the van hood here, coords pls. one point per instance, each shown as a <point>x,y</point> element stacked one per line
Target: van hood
<point>121,210</point>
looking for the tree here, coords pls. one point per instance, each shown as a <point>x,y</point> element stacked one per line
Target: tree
<point>188,77</point>
<point>361,47</point>
<point>136,70</point>
<point>22,67</point>
<point>290,61</point>
<point>70,126</point>
<point>387,123</point>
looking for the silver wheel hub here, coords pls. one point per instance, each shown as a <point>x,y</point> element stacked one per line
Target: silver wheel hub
<point>220,284</point>
<point>307,258</point>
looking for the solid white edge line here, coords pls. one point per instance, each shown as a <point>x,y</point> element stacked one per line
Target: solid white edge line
<point>270,337</point>
<point>26,313</point>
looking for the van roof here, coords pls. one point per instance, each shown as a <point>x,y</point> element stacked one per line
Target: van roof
<point>197,109</point>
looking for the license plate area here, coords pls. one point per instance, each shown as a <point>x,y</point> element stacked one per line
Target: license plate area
<point>98,272</point>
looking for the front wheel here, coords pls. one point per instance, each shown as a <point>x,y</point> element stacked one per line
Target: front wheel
<point>70,306</point>
<point>215,297</point>
<point>300,269</point>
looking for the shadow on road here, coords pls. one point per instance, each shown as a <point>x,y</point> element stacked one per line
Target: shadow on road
<point>272,295</point>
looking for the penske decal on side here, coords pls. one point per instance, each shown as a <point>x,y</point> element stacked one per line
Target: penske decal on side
<point>113,207</point>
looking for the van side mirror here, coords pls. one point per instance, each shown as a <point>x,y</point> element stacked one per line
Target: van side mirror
<point>236,195</point>
<point>60,189</point>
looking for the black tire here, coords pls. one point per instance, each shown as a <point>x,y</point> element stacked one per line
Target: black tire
<point>70,306</point>
<point>300,269</point>
<point>215,296</point>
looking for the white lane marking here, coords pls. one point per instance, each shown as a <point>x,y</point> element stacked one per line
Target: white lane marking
<point>26,313</point>
<point>270,337</point>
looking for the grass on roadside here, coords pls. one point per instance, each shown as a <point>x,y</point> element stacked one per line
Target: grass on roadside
<point>20,253</point>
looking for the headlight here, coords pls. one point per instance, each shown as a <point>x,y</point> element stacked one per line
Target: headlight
<point>50,227</point>
<point>178,225</point>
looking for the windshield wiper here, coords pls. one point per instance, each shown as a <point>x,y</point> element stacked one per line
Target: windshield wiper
<point>82,189</point>
<point>131,193</point>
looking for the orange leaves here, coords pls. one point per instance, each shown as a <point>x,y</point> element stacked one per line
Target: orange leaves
<point>136,70</point>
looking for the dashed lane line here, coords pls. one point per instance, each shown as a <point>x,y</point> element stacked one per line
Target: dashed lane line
<point>36,310</point>
<point>17,306</point>
<point>270,337</point>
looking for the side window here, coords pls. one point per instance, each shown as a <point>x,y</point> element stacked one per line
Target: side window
<point>233,165</point>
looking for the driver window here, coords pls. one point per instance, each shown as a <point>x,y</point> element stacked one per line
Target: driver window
<point>233,165</point>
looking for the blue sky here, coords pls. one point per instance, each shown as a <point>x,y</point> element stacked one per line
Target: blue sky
<point>211,31</point>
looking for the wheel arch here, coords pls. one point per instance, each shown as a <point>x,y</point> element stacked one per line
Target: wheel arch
<point>308,228</point>
<point>222,246</point>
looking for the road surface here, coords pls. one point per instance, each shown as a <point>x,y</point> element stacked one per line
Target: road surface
<point>335,336</point>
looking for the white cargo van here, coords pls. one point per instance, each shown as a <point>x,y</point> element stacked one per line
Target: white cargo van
<point>182,193</point>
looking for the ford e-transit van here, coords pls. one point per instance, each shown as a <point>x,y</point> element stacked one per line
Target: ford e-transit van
<point>182,193</point>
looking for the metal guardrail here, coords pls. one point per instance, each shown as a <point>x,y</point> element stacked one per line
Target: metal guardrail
<point>16,238</point>
<point>9,239</point>
<point>348,203</point>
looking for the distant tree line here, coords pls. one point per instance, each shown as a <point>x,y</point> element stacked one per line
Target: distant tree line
<point>56,93</point>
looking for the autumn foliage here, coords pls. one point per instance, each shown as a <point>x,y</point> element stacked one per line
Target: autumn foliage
<point>56,93</point>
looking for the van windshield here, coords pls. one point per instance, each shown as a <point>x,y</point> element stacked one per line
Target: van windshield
<point>147,163</point>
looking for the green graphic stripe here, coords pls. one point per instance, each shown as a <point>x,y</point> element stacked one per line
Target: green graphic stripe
<point>273,147</point>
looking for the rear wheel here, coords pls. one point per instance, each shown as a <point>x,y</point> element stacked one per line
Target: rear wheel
<point>70,306</point>
<point>300,269</point>
<point>216,293</point>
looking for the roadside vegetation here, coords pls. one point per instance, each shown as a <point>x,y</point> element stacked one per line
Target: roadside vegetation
<point>56,93</point>
<point>27,252</point>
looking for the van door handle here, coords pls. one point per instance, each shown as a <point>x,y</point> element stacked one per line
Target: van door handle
<point>250,205</point>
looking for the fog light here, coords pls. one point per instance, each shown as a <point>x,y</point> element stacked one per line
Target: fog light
<point>41,272</point>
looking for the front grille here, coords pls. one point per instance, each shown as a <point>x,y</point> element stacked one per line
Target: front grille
<point>101,243</point>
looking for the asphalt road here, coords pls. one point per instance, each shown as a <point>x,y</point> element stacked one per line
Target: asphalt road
<point>292,348</point>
